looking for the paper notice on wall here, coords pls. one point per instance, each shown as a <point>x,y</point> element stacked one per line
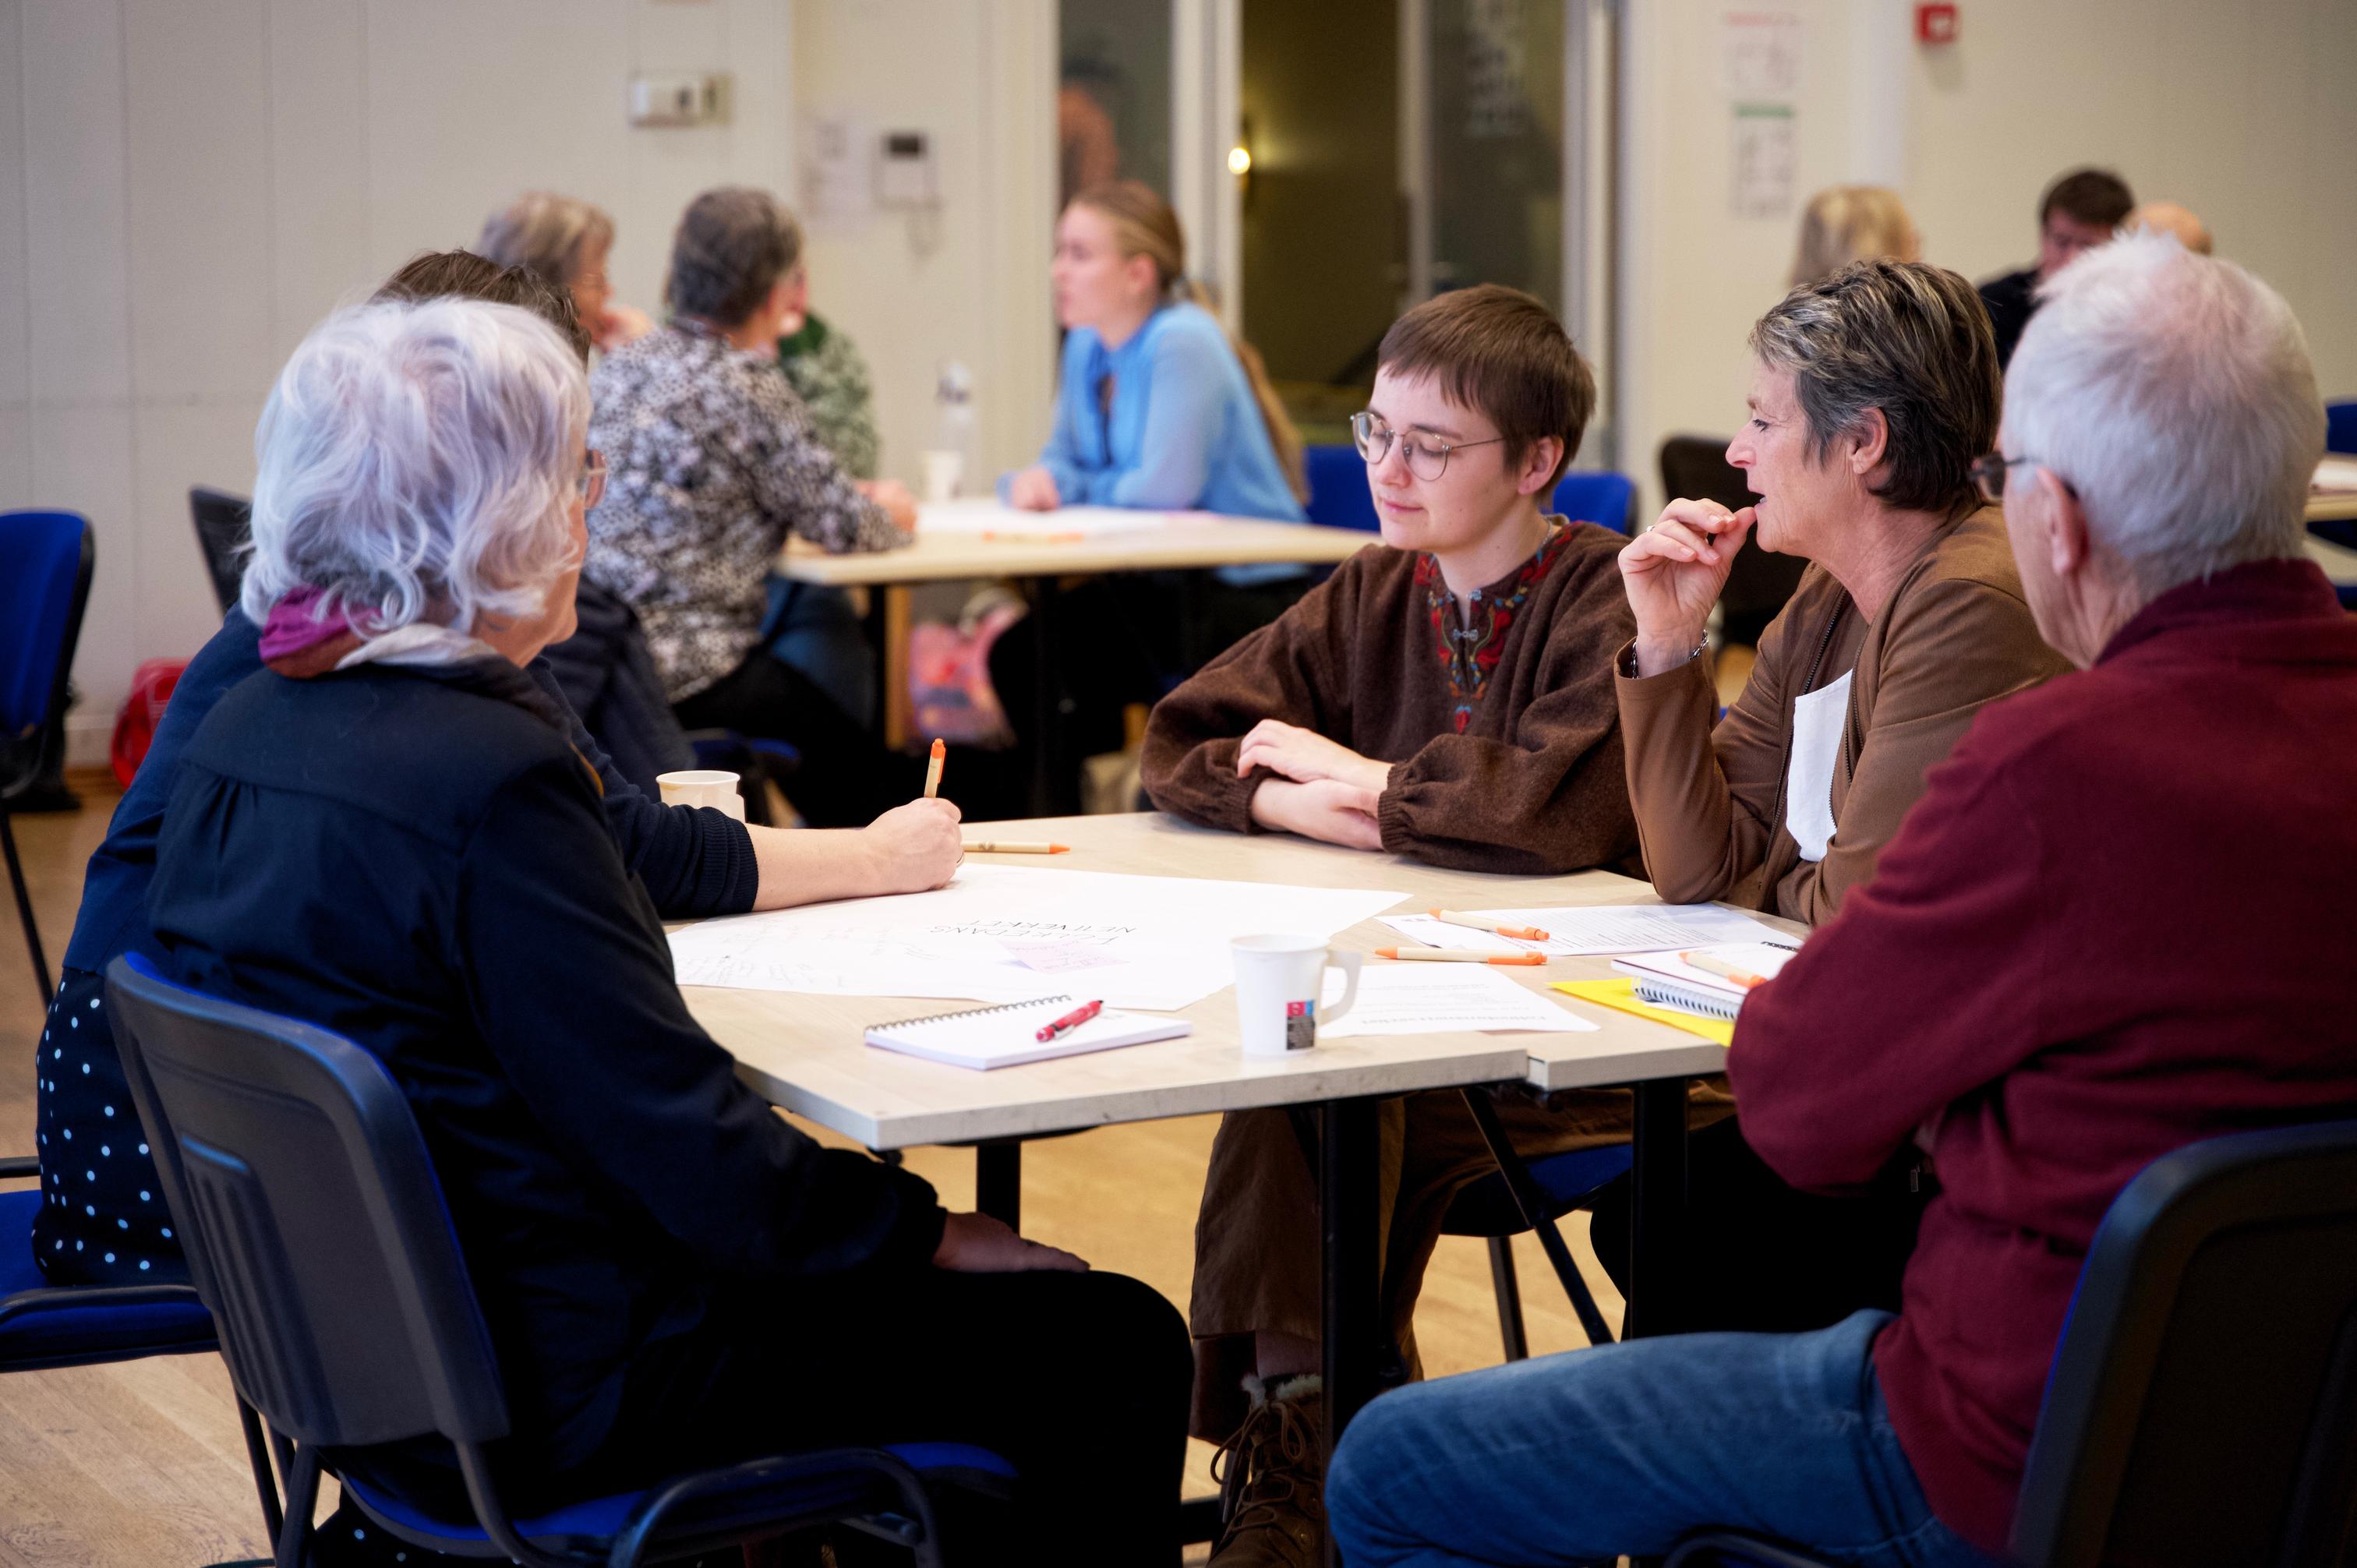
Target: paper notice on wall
<point>1765,161</point>
<point>1760,56</point>
<point>838,179</point>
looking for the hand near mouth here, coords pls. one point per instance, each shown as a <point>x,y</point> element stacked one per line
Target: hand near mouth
<point>1673,573</point>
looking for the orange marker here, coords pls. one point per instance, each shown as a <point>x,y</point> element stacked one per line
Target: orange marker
<point>1474,922</point>
<point>1718,966</point>
<point>934,769</point>
<point>1014,846</point>
<point>1459,955</point>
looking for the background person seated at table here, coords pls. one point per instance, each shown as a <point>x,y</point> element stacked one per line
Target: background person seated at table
<point>2079,211</point>
<point>712,465</point>
<point>568,242</point>
<point>2170,217</point>
<point>1872,393</point>
<point>690,861</point>
<point>673,1276</point>
<point>1845,223</point>
<point>2095,941</point>
<point>810,626</point>
<point>1450,698</point>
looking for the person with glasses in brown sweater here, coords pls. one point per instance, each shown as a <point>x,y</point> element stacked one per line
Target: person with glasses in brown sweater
<point>1449,696</point>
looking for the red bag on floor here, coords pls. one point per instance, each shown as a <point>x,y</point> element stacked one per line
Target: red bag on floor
<point>143,710</point>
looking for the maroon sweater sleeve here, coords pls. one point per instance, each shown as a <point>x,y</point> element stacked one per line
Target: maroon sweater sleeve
<point>1922,990</point>
<point>1553,795</point>
<point>1293,670</point>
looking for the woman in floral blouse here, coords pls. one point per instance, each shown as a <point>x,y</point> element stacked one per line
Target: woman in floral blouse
<point>713,463</point>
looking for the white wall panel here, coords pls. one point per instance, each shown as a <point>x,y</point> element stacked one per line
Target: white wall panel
<point>199,160</point>
<point>79,345</point>
<point>81,461</point>
<point>15,291</point>
<point>177,446</point>
<point>319,95</point>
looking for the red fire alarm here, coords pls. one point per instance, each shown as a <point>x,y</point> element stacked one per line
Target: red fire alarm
<point>1935,23</point>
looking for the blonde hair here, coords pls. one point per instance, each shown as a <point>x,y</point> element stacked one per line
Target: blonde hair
<point>545,233</point>
<point>1143,225</point>
<point>1851,223</point>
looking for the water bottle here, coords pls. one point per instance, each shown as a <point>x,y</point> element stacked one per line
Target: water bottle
<point>952,453</point>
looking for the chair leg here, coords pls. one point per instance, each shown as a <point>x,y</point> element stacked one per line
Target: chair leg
<point>259,1456</point>
<point>1509,1297</point>
<point>1533,1206</point>
<point>302,1499</point>
<point>25,909</point>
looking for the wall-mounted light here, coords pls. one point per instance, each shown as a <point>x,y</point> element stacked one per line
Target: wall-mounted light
<point>1240,160</point>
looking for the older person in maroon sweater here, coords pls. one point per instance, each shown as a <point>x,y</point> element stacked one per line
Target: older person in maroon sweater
<point>2095,939</point>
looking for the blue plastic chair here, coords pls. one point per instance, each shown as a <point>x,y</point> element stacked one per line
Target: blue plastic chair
<point>2340,426</point>
<point>1596,497</point>
<point>45,560</point>
<point>1519,1197</point>
<point>2201,1407</point>
<point>317,1230</point>
<point>1339,496</point>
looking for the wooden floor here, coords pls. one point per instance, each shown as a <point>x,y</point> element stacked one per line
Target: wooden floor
<point>140,1465</point>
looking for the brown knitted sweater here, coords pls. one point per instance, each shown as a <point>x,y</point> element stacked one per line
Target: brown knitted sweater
<point>1503,728</point>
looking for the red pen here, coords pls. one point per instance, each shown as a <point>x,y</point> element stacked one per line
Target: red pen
<point>1072,1020</point>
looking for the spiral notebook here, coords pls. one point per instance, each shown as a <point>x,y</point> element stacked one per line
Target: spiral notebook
<point>1008,1036</point>
<point>1666,980</point>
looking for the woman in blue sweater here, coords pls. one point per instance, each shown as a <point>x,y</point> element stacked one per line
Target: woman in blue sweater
<point>1159,409</point>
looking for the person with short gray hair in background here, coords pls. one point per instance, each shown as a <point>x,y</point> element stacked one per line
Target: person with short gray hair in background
<point>567,243</point>
<point>714,465</point>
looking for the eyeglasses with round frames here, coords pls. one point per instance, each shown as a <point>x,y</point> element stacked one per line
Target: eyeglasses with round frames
<point>591,480</point>
<point>1427,458</point>
<point>1988,473</point>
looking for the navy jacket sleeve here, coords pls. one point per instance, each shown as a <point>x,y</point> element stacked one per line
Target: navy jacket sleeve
<point>590,1029</point>
<point>695,860</point>
<point>113,916</point>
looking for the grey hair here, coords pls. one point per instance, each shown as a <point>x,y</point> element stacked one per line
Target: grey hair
<point>1906,337</point>
<point>416,462</point>
<point>732,246</point>
<point>2173,393</point>
<point>545,234</point>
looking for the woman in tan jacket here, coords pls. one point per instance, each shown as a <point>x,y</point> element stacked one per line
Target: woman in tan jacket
<point>1872,393</point>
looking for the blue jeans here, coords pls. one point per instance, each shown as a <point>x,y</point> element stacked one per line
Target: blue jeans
<point>816,631</point>
<point>1578,1458</point>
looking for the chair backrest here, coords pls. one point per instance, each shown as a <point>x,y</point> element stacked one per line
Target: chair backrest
<point>46,558</point>
<point>315,1227</point>
<point>2203,1406</point>
<point>1596,497</point>
<point>1339,496</point>
<point>2340,425</point>
<point>224,522</point>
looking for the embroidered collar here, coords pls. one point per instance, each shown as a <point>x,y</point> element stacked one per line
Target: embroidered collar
<point>1469,643</point>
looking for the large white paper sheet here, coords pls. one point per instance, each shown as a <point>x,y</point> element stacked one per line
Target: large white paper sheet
<point>1158,942</point>
<point>1441,998</point>
<point>1579,929</point>
<point>973,517</point>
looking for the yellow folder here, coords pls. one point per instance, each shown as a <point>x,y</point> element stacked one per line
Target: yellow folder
<point>1622,994</point>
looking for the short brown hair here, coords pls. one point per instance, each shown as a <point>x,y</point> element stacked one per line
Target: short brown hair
<point>1909,339</point>
<point>1503,353</point>
<point>732,246</point>
<point>2095,196</point>
<point>462,275</point>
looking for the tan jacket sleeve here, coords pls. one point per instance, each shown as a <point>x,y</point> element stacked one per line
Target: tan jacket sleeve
<point>1952,646</point>
<point>1705,796</point>
<point>1291,670</point>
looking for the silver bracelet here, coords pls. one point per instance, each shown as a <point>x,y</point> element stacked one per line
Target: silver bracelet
<point>1628,664</point>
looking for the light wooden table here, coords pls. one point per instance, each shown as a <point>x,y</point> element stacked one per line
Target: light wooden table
<point>1177,541</point>
<point>805,1053</point>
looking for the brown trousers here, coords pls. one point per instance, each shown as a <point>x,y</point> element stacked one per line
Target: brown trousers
<point>1256,1236</point>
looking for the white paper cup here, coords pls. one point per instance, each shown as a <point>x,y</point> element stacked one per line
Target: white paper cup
<point>1279,980</point>
<point>942,472</point>
<point>702,787</point>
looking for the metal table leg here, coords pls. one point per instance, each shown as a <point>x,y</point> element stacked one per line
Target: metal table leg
<point>1353,1326</point>
<point>1657,1198</point>
<point>998,1181</point>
